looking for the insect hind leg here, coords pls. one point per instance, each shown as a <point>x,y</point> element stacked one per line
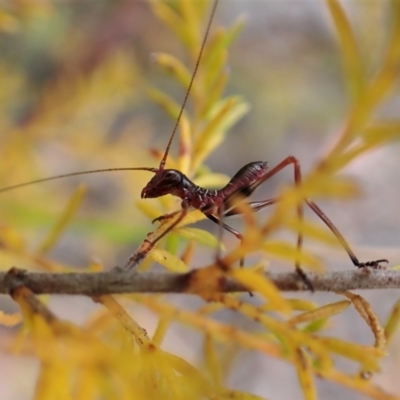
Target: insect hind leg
<point>291,160</point>
<point>373,264</point>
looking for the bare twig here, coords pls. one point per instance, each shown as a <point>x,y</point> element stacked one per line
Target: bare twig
<point>119,281</point>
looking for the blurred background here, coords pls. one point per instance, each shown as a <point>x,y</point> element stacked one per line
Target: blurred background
<point>74,78</point>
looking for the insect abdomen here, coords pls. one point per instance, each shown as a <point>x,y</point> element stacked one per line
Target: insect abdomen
<point>242,181</point>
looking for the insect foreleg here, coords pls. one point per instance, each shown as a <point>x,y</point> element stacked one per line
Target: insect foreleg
<point>183,212</point>
<point>152,240</point>
<point>166,216</point>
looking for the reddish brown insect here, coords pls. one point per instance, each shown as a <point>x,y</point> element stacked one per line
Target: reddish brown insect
<point>216,204</point>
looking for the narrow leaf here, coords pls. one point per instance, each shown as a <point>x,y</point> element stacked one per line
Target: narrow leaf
<point>320,313</point>
<point>288,252</point>
<point>392,322</point>
<point>305,374</point>
<point>174,67</point>
<point>353,63</point>
<point>197,235</point>
<point>368,357</point>
<point>228,112</point>
<point>148,209</point>
<point>168,260</point>
<point>256,282</point>
<point>166,13</point>
<point>170,106</point>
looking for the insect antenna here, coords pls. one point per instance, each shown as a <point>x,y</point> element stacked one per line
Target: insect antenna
<point>93,171</point>
<point>196,67</point>
<point>164,159</point>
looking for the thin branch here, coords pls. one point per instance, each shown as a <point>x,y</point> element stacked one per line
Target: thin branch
<point>120,281</point>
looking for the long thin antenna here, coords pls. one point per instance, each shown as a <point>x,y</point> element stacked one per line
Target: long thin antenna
<point>94,171</point>
<point>196,67</point>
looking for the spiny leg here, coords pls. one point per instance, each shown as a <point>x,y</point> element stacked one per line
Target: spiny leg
<point>183,212</point>
<point>166,216</point>
<point>148,244</point>
<point>258,205</point>
<point>342,240</point>
<point>300,213</point>
<point>318,211</point>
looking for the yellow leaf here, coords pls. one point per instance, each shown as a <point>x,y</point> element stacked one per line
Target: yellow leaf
<point>162,327</point>
<point>392,322</point>
<point>383,82</point>
<point>168,260</point>
<point>381,131</point>
<point>211,180</point>
<point>215,92</point>
<point>351,55</point>
<point>192,217</point>
<point>11,240</point>
<point>367,356</point>
<point>312,230</point>
<point>305,374</point>
<point>174,67</point>
<point>197,235</point>
<point>215,69</point>
<point>221,40</point>
<point>319,313</point>
<point>284,251</point>
<point>366,312</point>
<point>320,185</point>
<point>225,114</point>
<point>257,282</point>
<point>212,362</point>
<point>188,253</point>
<point>295,304</point>
<point>375,135</point>
<point>170,106</point>
<point>148,209</point>
<point>169,16</point>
